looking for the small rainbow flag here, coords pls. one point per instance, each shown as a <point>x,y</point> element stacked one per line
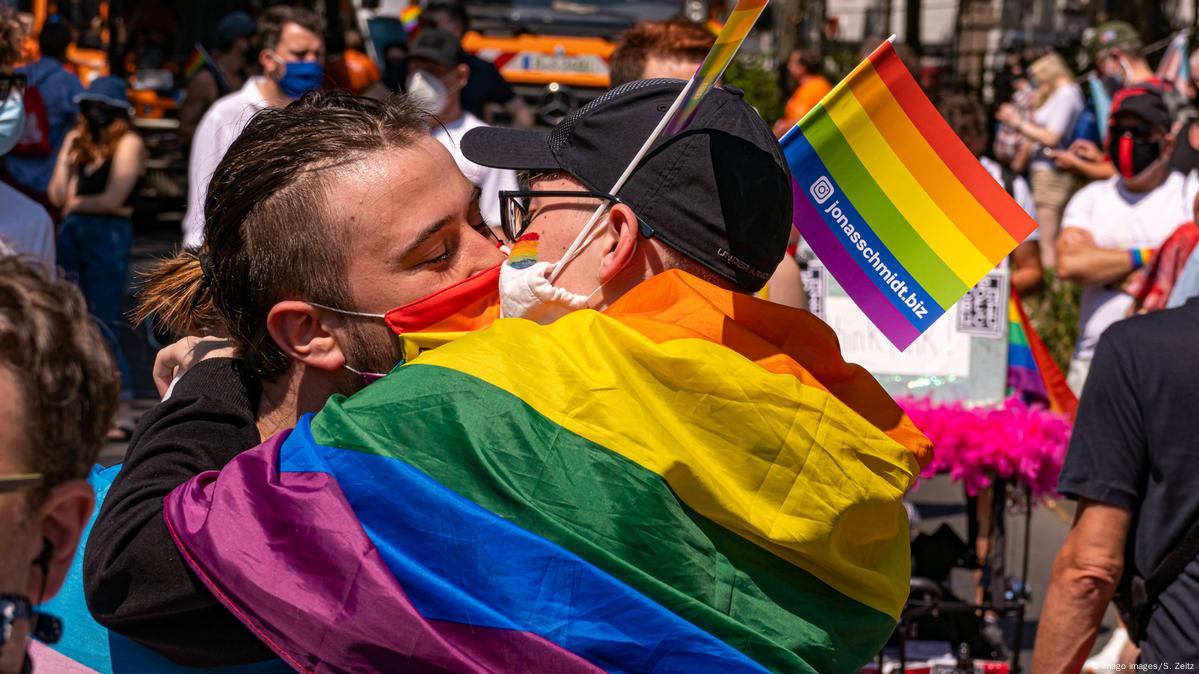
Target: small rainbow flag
<point>198,60</point>
<point>410,17</point>
<point>524,251</point>
<point>734,32</point>
<point>893,203</point>
<point>1031,372</point>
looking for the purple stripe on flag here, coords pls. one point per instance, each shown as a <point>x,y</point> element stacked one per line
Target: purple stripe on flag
<point>1024,380</point>
<point>866,295</point>
<point>252,548</point>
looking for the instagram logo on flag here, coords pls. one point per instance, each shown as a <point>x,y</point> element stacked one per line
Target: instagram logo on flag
<point>821,190</point>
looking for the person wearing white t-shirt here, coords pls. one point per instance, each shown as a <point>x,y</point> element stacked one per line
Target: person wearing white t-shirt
<point>437,73</point>
<point>1058,104</point>
<point>1113,227</point>
<point>291,57</point>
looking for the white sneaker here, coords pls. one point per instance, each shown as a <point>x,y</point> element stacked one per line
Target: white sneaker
<point>1107,659</point>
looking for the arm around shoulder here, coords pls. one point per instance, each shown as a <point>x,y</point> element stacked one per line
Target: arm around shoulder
<point>135,581</point>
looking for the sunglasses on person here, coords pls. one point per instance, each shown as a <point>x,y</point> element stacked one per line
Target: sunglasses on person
<point>515,217</point>
<point>19,482</point>
<point>12,82</point>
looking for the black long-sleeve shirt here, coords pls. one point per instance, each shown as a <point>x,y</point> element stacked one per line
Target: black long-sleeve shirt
<point>135,581</point>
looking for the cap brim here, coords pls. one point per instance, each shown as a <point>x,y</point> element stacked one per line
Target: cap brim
<point>518,149</point>
<point>101,98</point>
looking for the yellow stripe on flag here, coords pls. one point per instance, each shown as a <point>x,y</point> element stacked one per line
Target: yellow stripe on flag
<point>909,197</point>
<point>786,466</point>
<point>929,169</point>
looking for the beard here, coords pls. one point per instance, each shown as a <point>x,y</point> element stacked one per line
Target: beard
<point>372,347</point>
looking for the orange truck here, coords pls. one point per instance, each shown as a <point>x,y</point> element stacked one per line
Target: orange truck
<point>555,53</point>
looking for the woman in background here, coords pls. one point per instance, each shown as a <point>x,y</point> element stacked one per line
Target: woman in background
<point>1056,107</point>
<point>94,178</point>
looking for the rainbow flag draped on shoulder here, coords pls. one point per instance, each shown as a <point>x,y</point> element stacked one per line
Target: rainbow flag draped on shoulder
<point>691,481</point>
<point>892,202</point>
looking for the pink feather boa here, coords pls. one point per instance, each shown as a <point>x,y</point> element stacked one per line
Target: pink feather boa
<point>1012,440</point>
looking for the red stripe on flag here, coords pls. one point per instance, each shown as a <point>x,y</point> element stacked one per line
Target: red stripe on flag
<point>936,133</point>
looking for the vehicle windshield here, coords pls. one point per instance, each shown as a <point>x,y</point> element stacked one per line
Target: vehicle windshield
<point>622,12</point>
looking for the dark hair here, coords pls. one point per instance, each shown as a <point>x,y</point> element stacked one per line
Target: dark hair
<point>55,37</point>
<point>272,21</point>
<point>11,36</point>
<point>683,40</point>
<point>456,10</point>
<point>266,236</point>
<point>810,59</point>
<point>67,382</point>
<point>963,110</point>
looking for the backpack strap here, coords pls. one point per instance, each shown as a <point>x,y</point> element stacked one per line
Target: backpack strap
<point>1137,594</point>
<point>1009,180</point>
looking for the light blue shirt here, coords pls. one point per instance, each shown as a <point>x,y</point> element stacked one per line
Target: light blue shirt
<point>58,89</point>
<point>1187,284</point>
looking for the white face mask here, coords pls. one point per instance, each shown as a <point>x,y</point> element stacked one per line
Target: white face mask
<point>527,293</point>
<point>427,92</point>
<point>12,121</point>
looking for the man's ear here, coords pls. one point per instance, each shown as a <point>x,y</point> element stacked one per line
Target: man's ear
<point>299,332</point>
<point>462,75</point>
<point>620,249</point>
<point>268,64</point>
<point>63,516</point>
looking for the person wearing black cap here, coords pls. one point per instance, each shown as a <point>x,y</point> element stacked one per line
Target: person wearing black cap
<point>713,201</point>
<point>226,74</point>
<point>1112,227</point>
<point>94,180</point>
<point>437,72</point>
<point>1135,536</point>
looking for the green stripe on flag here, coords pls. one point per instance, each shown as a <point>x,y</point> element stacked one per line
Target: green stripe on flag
<point>929,270</point>
<point>492,448</point>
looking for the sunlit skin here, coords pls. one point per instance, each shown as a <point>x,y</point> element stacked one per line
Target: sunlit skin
<point>670,68</point>
<point>296,44</point>
<point>411,226</point>
<point>617,260</point>
<point>58,518</point>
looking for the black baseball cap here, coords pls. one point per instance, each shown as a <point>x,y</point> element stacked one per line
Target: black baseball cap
<point>1143,100</point>
<point>718,192</point>
<point>438,46</point>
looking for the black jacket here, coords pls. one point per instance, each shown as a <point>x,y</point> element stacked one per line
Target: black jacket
<point>136,583</point>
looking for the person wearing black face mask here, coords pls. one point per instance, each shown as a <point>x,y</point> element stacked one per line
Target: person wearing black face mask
<point>1113,227</point>
<point>94,180</point>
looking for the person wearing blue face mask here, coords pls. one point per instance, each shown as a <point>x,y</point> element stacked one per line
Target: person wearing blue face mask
<point>291,53</point>
<point>24,224</point>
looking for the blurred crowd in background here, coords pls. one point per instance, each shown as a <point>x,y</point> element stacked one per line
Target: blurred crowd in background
<point>1098,144</point>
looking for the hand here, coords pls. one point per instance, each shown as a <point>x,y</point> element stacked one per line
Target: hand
<point>782,126</point>
<point>1066,161</point>
<point>1008,114</point>
<point>1085,149</point>
<point>69,205</point>
<point>173,360</point>
<point>1077,238</point>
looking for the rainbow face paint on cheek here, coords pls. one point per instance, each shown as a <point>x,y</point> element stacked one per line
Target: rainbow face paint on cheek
<point>524,252</point>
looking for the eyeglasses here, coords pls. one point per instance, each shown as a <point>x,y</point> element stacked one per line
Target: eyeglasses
<point>514,207</point>
<point>19,482</point>
<point>10,82</point>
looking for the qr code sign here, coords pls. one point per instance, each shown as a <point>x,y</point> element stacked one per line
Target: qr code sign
<point>983,310</point>
<point>815,287</point>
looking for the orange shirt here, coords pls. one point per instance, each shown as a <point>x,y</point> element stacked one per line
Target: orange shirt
<point>809,93</point>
